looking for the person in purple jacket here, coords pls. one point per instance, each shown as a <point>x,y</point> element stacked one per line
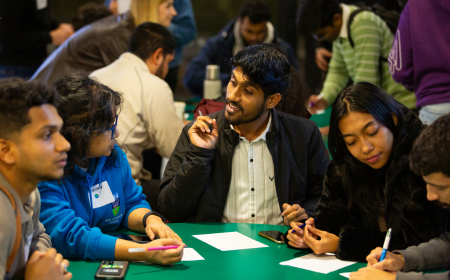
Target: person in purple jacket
<point>420,55</point>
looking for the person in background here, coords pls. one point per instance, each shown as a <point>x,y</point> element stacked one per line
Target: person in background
<point>366,60</point>
<point>97,193</point>
<point>148,118</point>
<point>31,150</point>
<point>295,97</point>
<point>429,158</point>
<point>419,67</point>
<point>251,27</point>
<point>184,30</point>
<point>103,41</point>
<point>25,31</point>
<point>88,13</point>
<point>369,187</point>
<point>248,167</point>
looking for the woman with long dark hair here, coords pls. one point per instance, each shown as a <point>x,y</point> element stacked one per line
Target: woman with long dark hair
<point>369,187</point>
<point>97,193</point>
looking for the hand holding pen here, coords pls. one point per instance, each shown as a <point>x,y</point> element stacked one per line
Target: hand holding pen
<point>202,135</point>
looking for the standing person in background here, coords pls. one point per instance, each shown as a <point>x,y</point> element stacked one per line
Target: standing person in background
<point>184,30</point>
<point>31,150</point>
<point>251,27</point>
<point>101,43</point>
<point>148,118</point>
<point>420,56</point>
<point>364,61</point>
<point>25,31</point>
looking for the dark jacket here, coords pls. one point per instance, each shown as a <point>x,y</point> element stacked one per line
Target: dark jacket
<point>196,180</point>
<point>218,50</point>
<point>90,48</point>
<point>24,32</point>
<point>411,216</point>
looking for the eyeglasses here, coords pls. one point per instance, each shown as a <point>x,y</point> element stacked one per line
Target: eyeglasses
<point>113,128</point>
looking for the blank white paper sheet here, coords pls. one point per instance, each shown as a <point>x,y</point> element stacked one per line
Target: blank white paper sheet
<point>189,254</point>
<point>325,263</point>
<point>346,275</point>
<point>229,241</point>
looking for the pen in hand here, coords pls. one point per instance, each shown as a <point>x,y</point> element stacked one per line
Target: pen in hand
<point>386,244</point>
<point>302,226</point>
<point>136,250</point>
<point>209,125</point>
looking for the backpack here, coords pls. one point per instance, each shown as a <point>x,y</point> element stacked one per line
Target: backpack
<point>391,18</point>
<point>18,239</point>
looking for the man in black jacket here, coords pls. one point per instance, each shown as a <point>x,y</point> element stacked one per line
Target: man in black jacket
<point>247,163</point>
<point>251,27</point>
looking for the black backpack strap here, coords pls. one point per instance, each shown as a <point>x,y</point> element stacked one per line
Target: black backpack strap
<point>350,20</point>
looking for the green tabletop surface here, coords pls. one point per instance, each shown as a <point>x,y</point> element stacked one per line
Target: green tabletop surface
<point>260,263</point>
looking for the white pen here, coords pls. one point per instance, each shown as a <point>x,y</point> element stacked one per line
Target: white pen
<point>386,244</point>
<point>200,113</point>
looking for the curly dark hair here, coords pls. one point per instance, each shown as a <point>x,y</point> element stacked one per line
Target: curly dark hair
<point>295,98</point>
<point>431,150</point>
<point>17,97</point>
<point>85,104</point>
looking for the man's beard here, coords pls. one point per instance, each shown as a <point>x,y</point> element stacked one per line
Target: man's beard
<point>245,117</point>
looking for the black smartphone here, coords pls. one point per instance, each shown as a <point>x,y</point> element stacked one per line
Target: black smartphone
<point>135,238</point>
<point>273,235</point>
<point>112,270</point>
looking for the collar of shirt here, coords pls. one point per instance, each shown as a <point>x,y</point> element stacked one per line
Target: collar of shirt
<point>345,16</point>
<point>262,136</point>
<point>135,60</point>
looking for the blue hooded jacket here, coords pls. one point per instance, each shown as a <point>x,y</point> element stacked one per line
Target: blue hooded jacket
<point>75,224</point>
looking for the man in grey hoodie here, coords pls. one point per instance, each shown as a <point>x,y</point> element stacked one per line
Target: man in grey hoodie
<point>430,157</point>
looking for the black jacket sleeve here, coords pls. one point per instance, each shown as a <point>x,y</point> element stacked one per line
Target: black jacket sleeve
<point>184,180</point>
<point>318,161</point>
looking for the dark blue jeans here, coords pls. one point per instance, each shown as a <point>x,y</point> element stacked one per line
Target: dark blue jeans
<point>24,72</point>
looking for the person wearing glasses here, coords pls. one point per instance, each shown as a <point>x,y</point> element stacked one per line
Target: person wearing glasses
<point>97,193</point>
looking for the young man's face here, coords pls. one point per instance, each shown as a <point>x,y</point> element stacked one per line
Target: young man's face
<point>245,100</point>
<point>438,188</point>
<point>39,150</point>
<point>253,33</point>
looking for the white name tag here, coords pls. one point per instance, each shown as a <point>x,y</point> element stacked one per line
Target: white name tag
<point>101,195</point>
<point>41,4</point>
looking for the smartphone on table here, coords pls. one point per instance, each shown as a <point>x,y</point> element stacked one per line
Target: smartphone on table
<point>112,270</point>
<point>273,235</point>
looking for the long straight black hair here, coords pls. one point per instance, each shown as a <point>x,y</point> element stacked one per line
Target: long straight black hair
<point>364,185</point>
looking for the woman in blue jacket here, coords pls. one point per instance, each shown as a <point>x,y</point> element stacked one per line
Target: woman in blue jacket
<point>97,193</point>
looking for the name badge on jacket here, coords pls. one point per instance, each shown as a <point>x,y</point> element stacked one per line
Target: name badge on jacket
<point>101,195</point>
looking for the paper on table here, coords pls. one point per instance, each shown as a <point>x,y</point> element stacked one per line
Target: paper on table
<point>346,275</point>
<point>323,263</point>
<point>189,254</point>
<point>228,241</point>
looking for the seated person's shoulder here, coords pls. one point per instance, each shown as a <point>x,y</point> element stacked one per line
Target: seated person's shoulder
<point>294,123</point>
<point>7,217</point>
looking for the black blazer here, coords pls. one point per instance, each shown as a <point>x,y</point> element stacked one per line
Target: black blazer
<point>196,180</point>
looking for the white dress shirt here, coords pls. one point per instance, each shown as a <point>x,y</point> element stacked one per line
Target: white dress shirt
<point>252,197</point>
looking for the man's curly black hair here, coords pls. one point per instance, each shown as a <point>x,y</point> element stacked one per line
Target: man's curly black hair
<point>431,150</point>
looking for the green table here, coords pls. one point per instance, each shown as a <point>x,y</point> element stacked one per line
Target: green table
<point>260,263</point>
